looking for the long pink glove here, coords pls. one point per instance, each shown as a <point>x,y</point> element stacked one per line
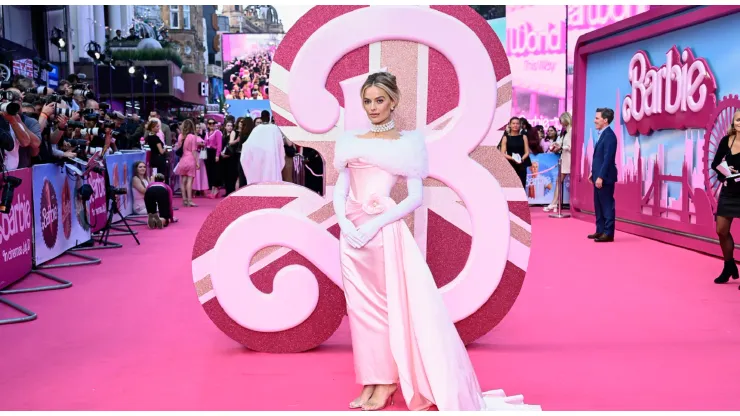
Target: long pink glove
<point>341,190</point>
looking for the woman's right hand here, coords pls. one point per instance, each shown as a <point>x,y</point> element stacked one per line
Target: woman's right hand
<point>350,232</point>
<point>197,166</point>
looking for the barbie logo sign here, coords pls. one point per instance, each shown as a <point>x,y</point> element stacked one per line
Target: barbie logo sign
<point>678,95</point>
<point>49,214</point>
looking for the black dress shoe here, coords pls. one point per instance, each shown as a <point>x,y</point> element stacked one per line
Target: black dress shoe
<point>594,236</point>
<point>605,239</point>
<point>729,270</point>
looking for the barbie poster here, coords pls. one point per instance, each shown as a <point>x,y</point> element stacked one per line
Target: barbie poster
<point>56,229</point>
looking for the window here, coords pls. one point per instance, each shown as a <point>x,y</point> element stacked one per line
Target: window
<point>174,17</point>
<point>186,17</point>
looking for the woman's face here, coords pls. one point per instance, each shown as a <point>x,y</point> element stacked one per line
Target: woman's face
<point>515,125</point>
<point>377,105</point>
<point>141,169</point>
<point>258,122</point>
<point>156,128</point>
<point>229,127</point>
<point>541,134</point>
<point>736,120</point>
<point>211,125</point>
<point>551,132</point>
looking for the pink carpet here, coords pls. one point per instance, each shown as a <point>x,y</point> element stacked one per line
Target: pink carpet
<point>634,325</point>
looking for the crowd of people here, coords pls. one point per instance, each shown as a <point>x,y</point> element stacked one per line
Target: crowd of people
<point>520,140</point>
<point>199,155</point>
<point>247,78</point>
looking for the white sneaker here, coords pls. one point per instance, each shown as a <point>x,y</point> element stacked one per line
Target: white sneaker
<point>548,208</point>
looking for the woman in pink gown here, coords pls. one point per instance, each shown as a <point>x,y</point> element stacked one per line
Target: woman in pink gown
<point>402,334</point>
<point>200,183</point>
<point>189,162</point>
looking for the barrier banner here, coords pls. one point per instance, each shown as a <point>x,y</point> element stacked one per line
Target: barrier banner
<point>542,178</point>
<point>97,211</point>
<point>57,226</point>
<point>16,231</point>
<point>120,170</point>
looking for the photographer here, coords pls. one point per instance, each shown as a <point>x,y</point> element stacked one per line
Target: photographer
<point>28,142</point>
<point>99,135</point>
<point>66,91</point>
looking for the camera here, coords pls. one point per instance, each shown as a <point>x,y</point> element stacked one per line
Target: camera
<point>93,131</point>
<point>104,106</point>
<point>74,124</point>
<point>6,96</point>
<point>10,108</point>
<point>53,98</point>
<point>66,112</point>
<point>118,191</point>
<point>85,93</point>
<point>41,90</point>
<point>6,194</point>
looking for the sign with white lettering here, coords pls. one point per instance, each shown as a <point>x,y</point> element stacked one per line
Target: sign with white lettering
<point>680,94</point>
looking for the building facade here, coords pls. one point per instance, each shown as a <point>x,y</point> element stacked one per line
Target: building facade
<point>187,34</point>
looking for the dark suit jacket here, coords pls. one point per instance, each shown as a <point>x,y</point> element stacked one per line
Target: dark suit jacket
<point>604,163</point>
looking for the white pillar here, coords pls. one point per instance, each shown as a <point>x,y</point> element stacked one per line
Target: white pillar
<point>114,19</point>
<point>83,26</point>
<point>99,24</point>
<point>127,14</point>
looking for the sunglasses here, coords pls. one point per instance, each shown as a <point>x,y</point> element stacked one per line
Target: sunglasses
<point>211,124</point>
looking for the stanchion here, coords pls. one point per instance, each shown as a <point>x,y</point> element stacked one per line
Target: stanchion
<point>29,314</point>
<point>89,260</point>
<point>561,180</point>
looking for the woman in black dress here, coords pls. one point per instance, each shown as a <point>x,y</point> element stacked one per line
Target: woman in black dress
<point>244,131</point>
<point>229,157</point>
<point>157,151</point>
<point>728,203</point>
<point>515,143</point>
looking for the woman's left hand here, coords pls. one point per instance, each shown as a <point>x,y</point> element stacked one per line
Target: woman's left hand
<point>367,231</point>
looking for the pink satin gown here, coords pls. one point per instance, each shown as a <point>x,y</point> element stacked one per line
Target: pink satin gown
<point>401,330</point>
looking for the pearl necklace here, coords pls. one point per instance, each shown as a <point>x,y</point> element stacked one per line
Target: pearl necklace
<point>382,128</point>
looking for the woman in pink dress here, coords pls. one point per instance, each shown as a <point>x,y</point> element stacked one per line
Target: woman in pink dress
<point>401,330</point>
<point>189,162</point>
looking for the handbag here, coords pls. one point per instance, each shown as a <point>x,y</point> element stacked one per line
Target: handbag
<point>227,151</point>
<point>203,155</point>
<point>179,151</point>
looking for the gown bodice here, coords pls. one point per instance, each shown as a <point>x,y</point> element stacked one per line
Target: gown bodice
<point>366,180</point>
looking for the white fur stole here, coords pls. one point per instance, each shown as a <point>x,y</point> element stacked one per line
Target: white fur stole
<point>406,156</point>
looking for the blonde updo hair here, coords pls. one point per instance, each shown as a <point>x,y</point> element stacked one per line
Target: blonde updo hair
<point>732,130</point>
<point>386,82</point>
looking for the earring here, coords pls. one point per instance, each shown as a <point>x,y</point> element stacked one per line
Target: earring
<point>393,108</point>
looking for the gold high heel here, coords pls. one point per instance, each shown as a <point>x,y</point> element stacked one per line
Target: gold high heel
<point>387,400</point>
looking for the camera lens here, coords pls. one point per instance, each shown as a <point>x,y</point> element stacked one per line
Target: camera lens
<point>65,112</point>
<point>10,108</point>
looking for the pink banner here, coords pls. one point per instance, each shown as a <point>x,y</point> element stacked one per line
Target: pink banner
<point>97,211</point>
<point>16,231</point>
<point>536,44</point>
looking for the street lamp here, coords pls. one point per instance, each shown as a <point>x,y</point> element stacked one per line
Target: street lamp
<point>95,52</point>
<point>132,73</point>
<point>155,85</point>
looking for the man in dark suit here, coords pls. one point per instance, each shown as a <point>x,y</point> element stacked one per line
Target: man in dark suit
<point>604,175</point>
